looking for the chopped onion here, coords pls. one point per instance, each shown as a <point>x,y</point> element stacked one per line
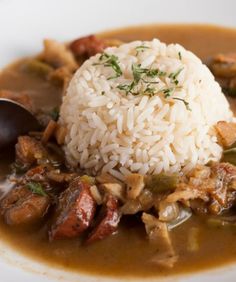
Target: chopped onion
<point>184,214</point>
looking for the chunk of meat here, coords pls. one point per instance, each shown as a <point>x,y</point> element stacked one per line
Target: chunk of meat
<point>185,193</point>
<point>75,211</point>
<point>199,173</point>
<point>199,207</point>
<point>57,55</point>
<point>217,190</point>
<point>158,235</point>
<point>37,171</point>
<point>19,97</point>
<point>225,181</point>
<point>60,177</point>
<point>135,185</point>
<point>36,174</point>
<point>223,66</point>
<point>21,206</point>
<point>194,185</point>
<point>226,132</point>
<point>107,222</point>
<point>87,46</point>
<point>29,150</point>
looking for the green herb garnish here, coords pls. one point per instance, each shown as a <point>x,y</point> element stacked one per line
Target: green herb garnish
<point>180,55</point>
<point>185,102</point>
<point>128,88</point>
<point>168,91</point>
<point>141,48</point>
<point>36,188</point>
<point>139,74</point>
<point>174,75</point>
<point>151,91</point>
<point>111,61</point>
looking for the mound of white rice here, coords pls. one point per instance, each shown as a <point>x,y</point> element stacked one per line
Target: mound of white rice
<point>143,107</point>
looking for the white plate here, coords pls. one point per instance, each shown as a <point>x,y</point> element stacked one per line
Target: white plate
<point>23,25</point>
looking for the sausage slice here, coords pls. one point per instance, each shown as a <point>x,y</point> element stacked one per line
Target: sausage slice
<point>75,211</point>
<point>108,221</point>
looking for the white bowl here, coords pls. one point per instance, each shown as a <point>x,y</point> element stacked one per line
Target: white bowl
<point>23,25</point>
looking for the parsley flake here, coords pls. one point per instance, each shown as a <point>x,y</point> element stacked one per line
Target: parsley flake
<point>141,48</point>
<point>111,61</point>
<point>36,188</point>
<point>185,102</point>
<point>168,91</point>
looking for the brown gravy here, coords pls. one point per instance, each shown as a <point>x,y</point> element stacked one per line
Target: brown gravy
<point>127,253</point>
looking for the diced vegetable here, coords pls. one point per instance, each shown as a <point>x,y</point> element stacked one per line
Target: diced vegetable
<point>49,131</point>
<point>168,211</point>
<point>161,182</point>
<point>37,67</point>
<point>115,189</point>
<point>143,203</point>
<point>58,55</point>
<point>88,179</point>
<point>96,194</point>
<point>226,133</point>
<point>135,185</point>
<point>158,235</point>
<point>184,214</point>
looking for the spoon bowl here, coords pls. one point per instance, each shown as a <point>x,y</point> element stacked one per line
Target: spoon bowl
<point>15,120</point>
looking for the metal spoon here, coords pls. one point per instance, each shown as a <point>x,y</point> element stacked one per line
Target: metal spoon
<point>15,120</point>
